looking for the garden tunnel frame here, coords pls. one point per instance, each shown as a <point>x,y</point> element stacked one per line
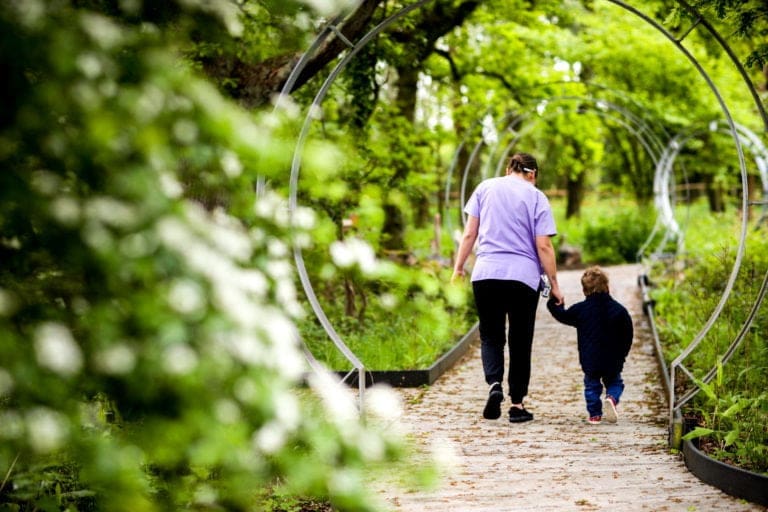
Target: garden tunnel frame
<point>333,27</point>
<point>627,120</point>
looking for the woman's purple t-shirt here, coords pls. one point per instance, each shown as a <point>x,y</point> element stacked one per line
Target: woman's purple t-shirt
<point>512,214</point>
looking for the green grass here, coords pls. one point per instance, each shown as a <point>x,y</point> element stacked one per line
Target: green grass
<point>387,340</point>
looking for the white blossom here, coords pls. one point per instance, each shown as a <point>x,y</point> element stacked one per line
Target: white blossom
<point>303,218</point>
<point>277,248</point>
<point>102,30</point>
<point>13,425</point>
<point>329,7</point>
<point>253,281</point>
<point>47,429</point>
<point>388,301</point>
<point>31,11</point>
<point>337,399</point>
<point>445,454</point>
<point>57,350</point>
<point>246,391</point>
<point>186,297</point>
<point>354,251</point>
<point>344,481</point>
<point>287,410</point>
<point>97,236</point>
<point>227,411</point>
<point>150,103</point>
<point>117,359</point>
<point>89,65</point>
<point>383,402</point>
<point>185,131</point>
<point>228,238</point>
<point>246,348</point>
<point>267,204</point>
<point>170,185</point>
<point>46,182</point>
<point>235,303</point>
<point>6,382</point>
<point>206,496</point>
<point>270,438</point>
<point>279,269</point>
<point>302,240</point>
<point>371,445</point>
<point>137,245</point>
<point>179,359</point>
<point>341,256</point>
<point>66,210</point>
<point>284,337</point>
<point>112,212</point>
<point>231,164</point>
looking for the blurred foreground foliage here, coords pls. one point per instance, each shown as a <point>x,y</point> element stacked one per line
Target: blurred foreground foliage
<point>150,359</point>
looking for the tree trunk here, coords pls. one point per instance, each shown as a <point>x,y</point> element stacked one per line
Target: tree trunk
<point>575,195</point>
<point>714,195</point>
<point>435,23</point>
<point>258,82</point>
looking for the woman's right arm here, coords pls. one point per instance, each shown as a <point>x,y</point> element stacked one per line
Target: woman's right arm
<point>548,263</point>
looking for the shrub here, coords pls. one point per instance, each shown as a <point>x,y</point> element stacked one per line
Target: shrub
<point>616,238</point>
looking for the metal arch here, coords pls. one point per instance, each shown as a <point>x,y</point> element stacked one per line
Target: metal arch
<point>662,195</point>
<point>642,134</point>
<point>741,249</point>
<point>760,153</point>
<point>601,105</point>
<point>628,8</point>
<point>734,60</point>
<point>454,164</point>
<point>514,118</point>
<point>752,142</point>
<point>661,190</point>
<point>661,187</point>
<point>292,202</point>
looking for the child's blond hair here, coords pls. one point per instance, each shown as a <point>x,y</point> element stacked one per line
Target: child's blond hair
<point>594,280</point>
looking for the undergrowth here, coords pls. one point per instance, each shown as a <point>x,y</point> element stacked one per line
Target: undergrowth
<point>731,408</point>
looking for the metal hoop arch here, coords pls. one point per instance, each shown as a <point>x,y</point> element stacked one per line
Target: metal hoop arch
<point>760,153</point>
<point>677,42</point>
<point>646,136</point>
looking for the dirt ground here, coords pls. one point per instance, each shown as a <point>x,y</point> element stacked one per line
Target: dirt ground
<point>558,461</point>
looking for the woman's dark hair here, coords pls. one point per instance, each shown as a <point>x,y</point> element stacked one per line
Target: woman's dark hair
<point>523,162</point>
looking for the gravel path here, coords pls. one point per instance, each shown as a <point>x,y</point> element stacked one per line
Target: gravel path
<point>557,462</point>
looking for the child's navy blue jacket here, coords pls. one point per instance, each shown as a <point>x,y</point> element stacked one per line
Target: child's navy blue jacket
<point>603,332</point>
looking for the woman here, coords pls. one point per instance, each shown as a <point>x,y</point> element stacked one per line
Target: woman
<point>513,224</point>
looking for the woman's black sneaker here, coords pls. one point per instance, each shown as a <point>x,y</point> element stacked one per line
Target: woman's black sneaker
<point>517,415</point>
<point>492,409</point>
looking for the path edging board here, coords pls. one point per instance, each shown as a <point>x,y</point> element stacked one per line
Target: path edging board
<point>730,479</point>
<point>416,378</point>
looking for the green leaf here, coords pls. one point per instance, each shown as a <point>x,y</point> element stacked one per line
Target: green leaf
<point>736,408</point>
<point>697,433</point>
<point>731,437</point>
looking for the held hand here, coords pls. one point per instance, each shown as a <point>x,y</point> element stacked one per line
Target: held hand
<point>557,295</point>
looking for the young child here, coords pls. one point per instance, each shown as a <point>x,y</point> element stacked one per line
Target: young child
<point>604,335</point>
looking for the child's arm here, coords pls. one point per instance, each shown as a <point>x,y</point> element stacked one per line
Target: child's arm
<point>566,316</point>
